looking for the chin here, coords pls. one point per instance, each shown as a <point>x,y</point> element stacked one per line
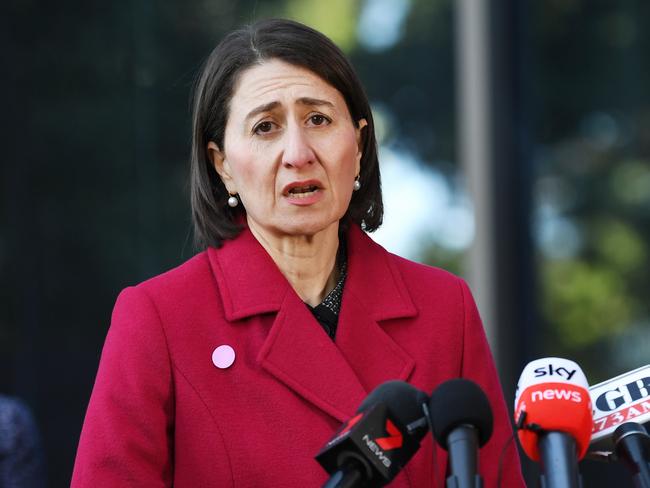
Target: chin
<point>306,226</point>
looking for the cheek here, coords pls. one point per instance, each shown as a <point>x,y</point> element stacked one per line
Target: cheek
<point>340,137</point>
<point>247,168</point>
<point>347,156</point>
<point>343,164</point>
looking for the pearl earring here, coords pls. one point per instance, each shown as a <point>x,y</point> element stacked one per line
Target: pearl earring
<point>233,201</point>
<point>357,184</point>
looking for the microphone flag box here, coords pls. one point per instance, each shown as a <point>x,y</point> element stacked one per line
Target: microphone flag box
<point>373,437</point>
<point>625,398</point>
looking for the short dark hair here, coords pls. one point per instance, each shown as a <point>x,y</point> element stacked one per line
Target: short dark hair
<point>294,43</point>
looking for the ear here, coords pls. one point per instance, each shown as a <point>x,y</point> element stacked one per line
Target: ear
<point>360,125</point>
<point>221,166</point>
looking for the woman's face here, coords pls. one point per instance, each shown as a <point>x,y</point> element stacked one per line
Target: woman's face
<point>291,150</point>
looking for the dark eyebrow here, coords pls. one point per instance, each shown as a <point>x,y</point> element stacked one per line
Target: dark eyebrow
<point>267,107</point>
<point>314,102</point>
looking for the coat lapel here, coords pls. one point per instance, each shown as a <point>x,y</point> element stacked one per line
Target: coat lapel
<point>374,292</point>
<point>300,354</point>
<point>333,376</point>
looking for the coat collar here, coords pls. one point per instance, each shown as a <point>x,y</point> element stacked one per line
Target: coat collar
<point>250,283</point>
<point>334,376</point>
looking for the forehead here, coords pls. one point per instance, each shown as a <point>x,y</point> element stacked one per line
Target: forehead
<point>276,80</point>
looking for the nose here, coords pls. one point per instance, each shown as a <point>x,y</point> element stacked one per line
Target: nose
<point>297,150</point>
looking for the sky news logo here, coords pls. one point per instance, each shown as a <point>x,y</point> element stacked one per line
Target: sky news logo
<point>556,394</point>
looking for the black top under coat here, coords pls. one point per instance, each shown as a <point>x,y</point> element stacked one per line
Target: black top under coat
<point>327,311</point>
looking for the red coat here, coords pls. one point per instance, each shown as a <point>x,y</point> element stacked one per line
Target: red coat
<point>162,414</point>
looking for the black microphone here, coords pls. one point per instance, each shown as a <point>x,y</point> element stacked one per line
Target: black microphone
<point>632,446</point>
<point>462,422</point>
<point>374,445</point>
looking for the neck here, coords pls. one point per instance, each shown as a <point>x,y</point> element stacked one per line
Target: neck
<point>307,262</point>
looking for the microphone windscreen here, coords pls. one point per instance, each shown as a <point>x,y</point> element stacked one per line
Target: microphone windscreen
<point>457,402</point>
<point>404,402</point>
<point>554,393</point>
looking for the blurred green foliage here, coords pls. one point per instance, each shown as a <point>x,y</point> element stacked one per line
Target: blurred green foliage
<point>584,302</point>
<point>590,81</point>
<point>337,19</point>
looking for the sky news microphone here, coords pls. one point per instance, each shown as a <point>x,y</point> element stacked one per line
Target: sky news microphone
<point>461,417</point>
<point>373,446</point>
<point>554,418</point>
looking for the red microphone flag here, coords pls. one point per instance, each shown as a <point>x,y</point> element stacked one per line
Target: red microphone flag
<point>554,394</point>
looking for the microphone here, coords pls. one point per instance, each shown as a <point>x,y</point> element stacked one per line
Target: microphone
<point>621,406</point>
<point>554,418</point>
<point>632,446</point>
<point>462,422</point>
<point>373,446</point>
<point>621,399</point>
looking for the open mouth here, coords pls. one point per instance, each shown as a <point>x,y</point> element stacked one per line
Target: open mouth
<point>302,191</point>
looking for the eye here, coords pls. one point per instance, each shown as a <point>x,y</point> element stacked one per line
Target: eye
<point>263,127</point>
<point>319,119</point>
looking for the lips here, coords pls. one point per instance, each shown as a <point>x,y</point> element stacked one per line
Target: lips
<point>302,188</point>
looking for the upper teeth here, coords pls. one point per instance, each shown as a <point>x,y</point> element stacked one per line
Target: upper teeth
<point>302,189</point>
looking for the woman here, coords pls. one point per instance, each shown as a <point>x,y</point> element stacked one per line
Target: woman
<point>236,367</point>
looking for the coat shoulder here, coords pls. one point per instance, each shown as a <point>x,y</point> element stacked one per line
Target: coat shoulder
<point>185,280</point>
<point>412,269</point>
<point>423,280</point>
<point>409,287</point>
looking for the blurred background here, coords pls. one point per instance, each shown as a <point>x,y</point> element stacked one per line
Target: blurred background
<point>515,151</point>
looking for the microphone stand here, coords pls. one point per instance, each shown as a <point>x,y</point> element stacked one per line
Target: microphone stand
<point>559,460</point>
<point>462,445</point>
<point>348,476</point>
